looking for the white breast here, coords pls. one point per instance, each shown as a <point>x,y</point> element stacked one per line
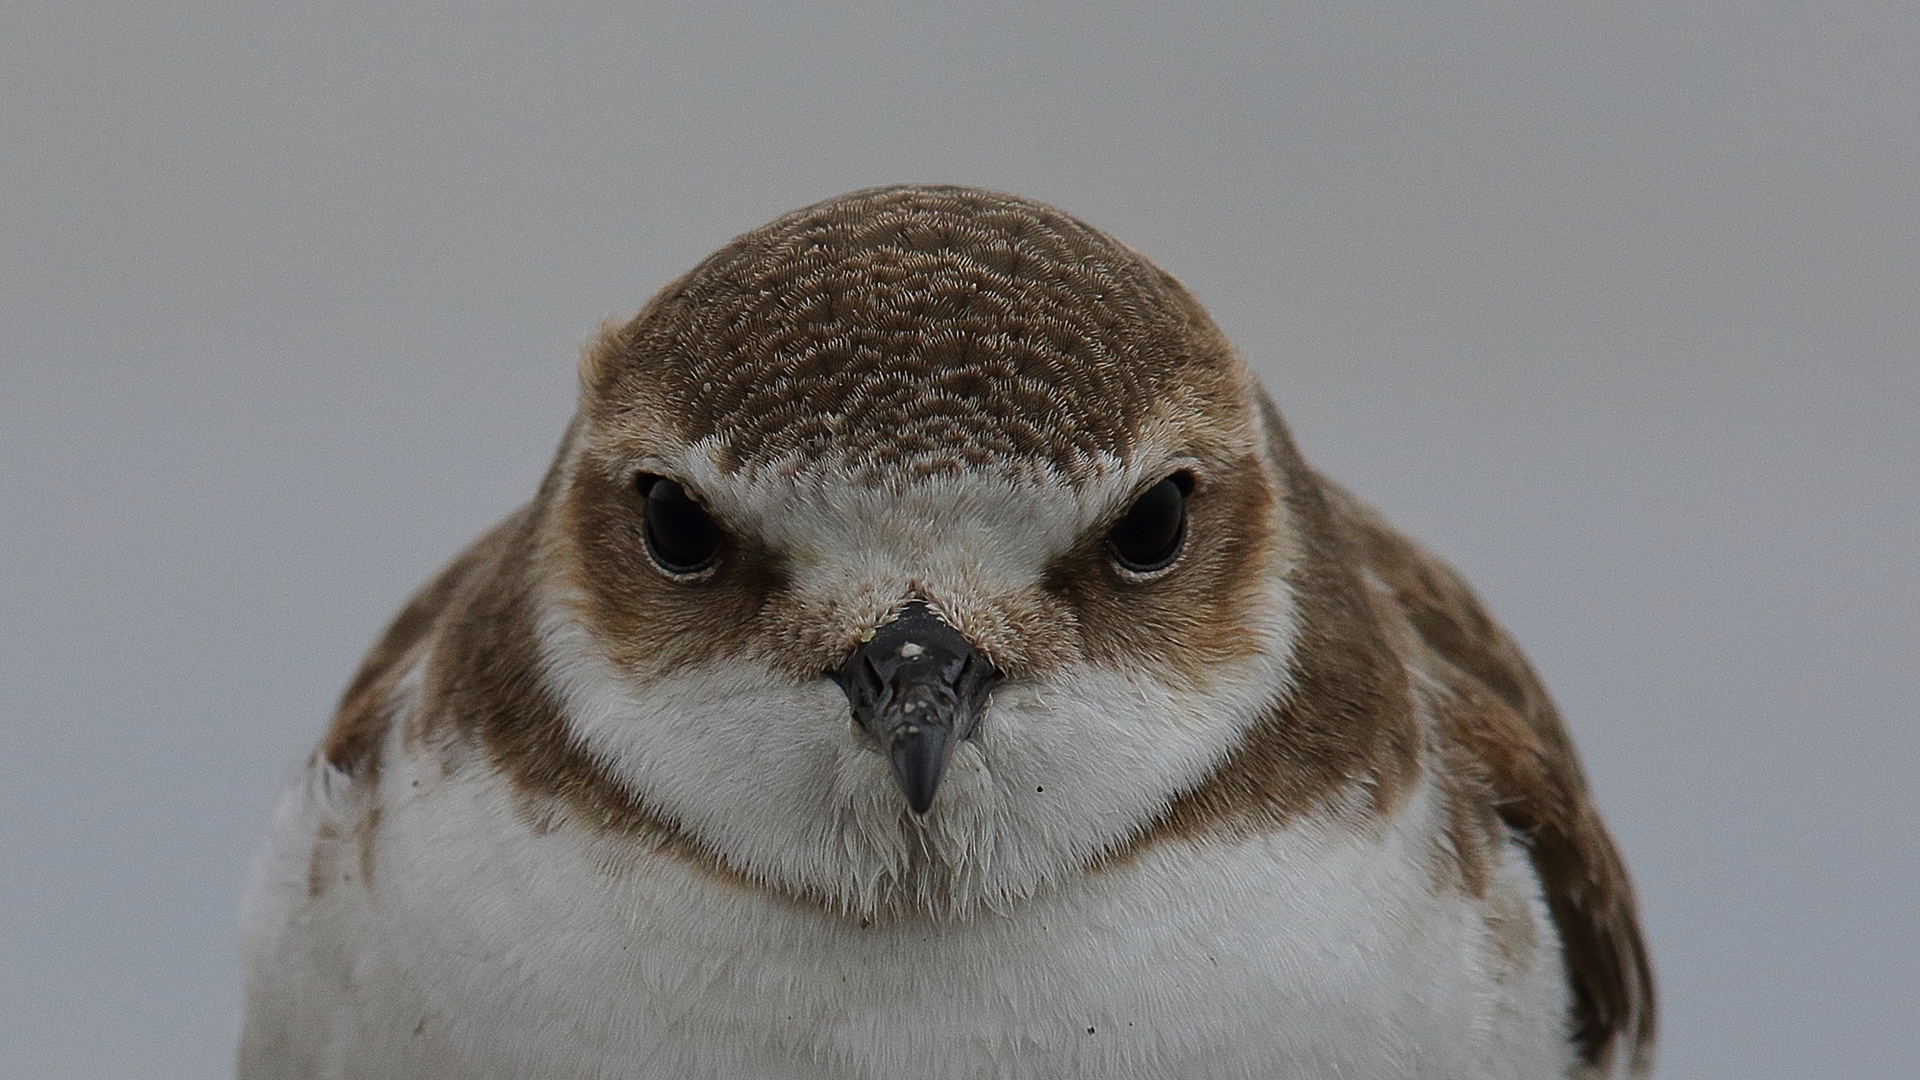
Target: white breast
<point>486,948</point>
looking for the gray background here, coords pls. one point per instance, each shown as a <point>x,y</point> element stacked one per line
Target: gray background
<point>1616,305</point>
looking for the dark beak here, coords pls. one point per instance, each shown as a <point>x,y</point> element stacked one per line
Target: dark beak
<point>918,687</point>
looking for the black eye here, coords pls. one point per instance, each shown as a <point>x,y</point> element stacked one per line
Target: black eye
<point>680,536</point>
<point>1148,537</point>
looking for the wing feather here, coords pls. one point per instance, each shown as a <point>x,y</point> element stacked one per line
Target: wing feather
<point>1506,721</point>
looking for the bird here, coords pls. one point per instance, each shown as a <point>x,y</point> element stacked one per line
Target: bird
<point>929,655</point>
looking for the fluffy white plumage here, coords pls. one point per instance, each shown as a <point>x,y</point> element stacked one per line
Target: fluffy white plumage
<point>1289,806</point>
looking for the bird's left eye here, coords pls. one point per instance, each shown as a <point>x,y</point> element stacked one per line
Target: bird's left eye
<point>1149,536</point>
<point>680,536</point>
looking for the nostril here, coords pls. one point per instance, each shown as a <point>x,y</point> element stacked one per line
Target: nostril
<point>860,680</point>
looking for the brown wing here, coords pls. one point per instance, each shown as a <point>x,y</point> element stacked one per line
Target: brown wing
<point>352,743</point>
<point>1506,721</point>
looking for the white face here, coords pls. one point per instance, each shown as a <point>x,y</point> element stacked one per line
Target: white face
<point>752,751</point>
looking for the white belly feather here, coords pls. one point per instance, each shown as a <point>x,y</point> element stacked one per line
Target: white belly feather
<point>485,948</point>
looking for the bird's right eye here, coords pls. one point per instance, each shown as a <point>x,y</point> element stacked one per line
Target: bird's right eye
<point>681,538</point>
<point>1149,536</point>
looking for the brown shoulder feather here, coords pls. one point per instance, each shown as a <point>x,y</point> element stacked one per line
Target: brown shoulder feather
<point>352,743</point>
<point>1503,718</point>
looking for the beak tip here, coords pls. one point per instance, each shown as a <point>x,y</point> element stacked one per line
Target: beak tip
<point>919,761</point>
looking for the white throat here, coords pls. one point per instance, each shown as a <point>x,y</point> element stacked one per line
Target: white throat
<point>766,773</point>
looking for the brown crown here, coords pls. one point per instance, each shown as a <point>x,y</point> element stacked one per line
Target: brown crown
<point>919,330</point>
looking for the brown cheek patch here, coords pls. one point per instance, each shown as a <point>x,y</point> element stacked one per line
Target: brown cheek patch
<point>485,688</point>
<point>1346,724</point>
<point>650,624</point>
<point>1186,625</point>
<point>1329,737</point>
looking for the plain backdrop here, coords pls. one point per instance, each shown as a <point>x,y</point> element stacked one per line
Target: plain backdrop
<point>1616,305</point>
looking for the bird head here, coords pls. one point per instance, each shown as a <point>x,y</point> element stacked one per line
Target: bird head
<point>915,550</point>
